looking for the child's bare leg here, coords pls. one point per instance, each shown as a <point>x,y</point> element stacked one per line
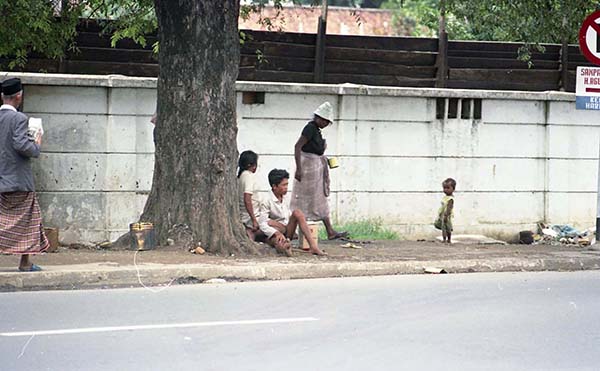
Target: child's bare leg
<point>298,219</point>
<point>444,235</point>
<point>449,236</point>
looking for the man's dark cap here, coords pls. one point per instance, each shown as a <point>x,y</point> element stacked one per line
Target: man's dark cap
<point>11,86</point>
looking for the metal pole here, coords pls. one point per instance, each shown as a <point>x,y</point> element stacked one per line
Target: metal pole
<point>598,199</point>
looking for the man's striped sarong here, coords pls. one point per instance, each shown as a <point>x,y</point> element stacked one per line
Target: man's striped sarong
<point>21,230</point>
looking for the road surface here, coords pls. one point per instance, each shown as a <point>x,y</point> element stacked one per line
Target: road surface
<point>490,321</point>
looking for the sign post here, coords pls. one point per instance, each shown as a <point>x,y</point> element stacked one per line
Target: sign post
<point>598,204</point>
<point>587,89</point>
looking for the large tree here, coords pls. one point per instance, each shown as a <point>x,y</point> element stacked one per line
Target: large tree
<point>193,198</point>
<point>194,190</point>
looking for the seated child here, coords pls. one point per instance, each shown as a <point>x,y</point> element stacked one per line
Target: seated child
<point>249,200</point>
<point>446,211</point>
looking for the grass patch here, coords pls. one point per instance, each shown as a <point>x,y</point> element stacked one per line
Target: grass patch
<point>369,229</point>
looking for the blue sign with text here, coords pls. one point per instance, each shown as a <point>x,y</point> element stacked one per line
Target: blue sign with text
<point>591,103</point>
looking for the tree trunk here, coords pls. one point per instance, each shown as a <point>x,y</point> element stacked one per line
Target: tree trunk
<point>194,190</point>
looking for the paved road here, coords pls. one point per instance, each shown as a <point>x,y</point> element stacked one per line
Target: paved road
<point>493,321</point>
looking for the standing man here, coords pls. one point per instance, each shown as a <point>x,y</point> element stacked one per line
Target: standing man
<point>21,230</point>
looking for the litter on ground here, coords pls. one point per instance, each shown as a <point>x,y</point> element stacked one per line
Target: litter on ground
<point>474,239</point>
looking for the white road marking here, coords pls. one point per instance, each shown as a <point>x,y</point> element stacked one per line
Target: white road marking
<point>25,346</point>
<point>86,330</point>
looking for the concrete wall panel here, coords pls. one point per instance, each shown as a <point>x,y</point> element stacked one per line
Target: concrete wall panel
<point>73,132</point>
<point>573,142</point>
<point>285,106</point>
<point>272,136</point>
<point>120,172</point>
<point>65,99</point>
<point>572,175</point>
<point>497,140</point>
<point>122,209</point>
<point>128,101</point>
<point>369,138</point>
<point>564,113</point>
<point>577,209</point>
<point>80,216</point>
<point>513,111</point>
<point>70,172</point>
<point>97,162</point>
<point>394,109</point>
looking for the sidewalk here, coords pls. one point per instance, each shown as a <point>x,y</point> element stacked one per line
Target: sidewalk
<point>87,268</point>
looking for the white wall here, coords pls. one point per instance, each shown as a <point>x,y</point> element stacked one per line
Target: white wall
<point>531,157</point>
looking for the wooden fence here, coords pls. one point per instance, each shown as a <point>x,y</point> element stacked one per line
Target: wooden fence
<point>387,61</point>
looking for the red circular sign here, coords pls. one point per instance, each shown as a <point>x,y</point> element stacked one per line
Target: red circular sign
<point>590,21</point>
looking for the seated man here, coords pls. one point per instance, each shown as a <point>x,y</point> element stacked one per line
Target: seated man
<point>277,221</point>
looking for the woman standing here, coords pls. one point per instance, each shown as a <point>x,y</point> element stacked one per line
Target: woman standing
<point>311,183</point>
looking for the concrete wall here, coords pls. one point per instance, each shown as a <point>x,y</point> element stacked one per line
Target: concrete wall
<point>530,157</point>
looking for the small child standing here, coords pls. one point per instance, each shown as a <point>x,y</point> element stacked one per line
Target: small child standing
<point>446,211</point>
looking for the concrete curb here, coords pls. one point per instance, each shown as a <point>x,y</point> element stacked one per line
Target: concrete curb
<point>108,275</point>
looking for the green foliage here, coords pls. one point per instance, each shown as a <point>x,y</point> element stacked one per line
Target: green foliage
<point>528,21</point>
<point>532,21</point>
<point>370,229</point>
<point>129,19</point>
<point>30,26</point>
<point>36,26</point>
<point>41,27</point>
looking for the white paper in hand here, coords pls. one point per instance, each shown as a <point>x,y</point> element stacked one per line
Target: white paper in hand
<point>35,127</point>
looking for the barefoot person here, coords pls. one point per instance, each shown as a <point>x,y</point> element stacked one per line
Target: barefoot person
<point>21,231</point>
<point>277,221</point>
<point>446,211</point>
<point>311,183</point>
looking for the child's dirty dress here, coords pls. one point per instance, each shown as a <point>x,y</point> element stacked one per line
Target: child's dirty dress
<point>439,223</point>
